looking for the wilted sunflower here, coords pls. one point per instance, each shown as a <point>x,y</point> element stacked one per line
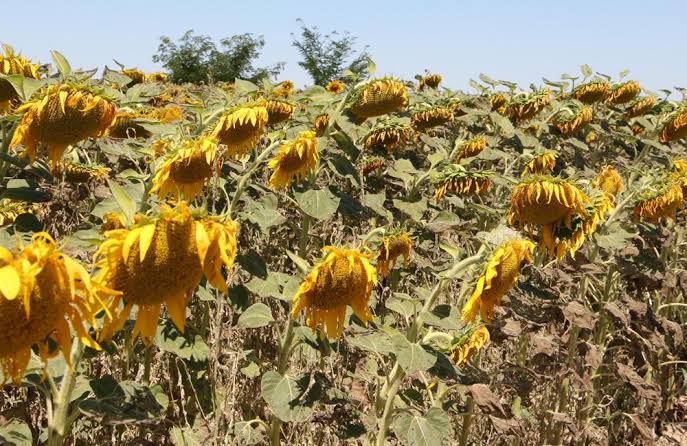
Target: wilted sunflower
<point>127,125</point>
<point>387,135</point>
<point>294,160</point>
<point>623,93</point>
<point>42,293</point>
<point>112,221</point>
<point>498,102</point>
<point>609,181</point>
<point>162,261</point>
<point>541,164</point>
<point>675,125</point>
<point>11,64</point>
<point>378,97</point>
<point>335,87</point>
<point>157,77</point>
<point>640,106</point>
<point>185,171</point>
<point>64,115</point>
<point>344,277</point>
<point>471,147</point>
<point>321,123</point>
<point>284,89</point>
<point>137,76</point>
<point>278,111</point>
<point>499,275</point>
<point>162,146</point>
<point>637,129</point>
<point>591,92</point>
<point>525,106</point>
<point>428,117</point>
<point>658,202</point>
<point>73,172</point>
<point>391,247</point>
<point>570,119</point>
<point>11,209</point>
<point>680,165</point>
<point>165,115</point>
<point>456,179</point>
<point>370,165</point>
<point>431,80</point>
<point>468,344</point>
<point>456,106</point>
<point>590,137</point>
<point>240,128</point>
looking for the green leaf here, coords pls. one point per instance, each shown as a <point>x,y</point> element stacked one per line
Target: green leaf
<point>264,287</point>
<point>249,433</point>
<point>376,203</point>
<point>16,432</point>
<point>62,64</point>
<point>411,356</point>
<point>414,210</point>
<point>432,429</point>
<point>320,204</point>
<point>586,70</point>
<point>302,264</point>
<point>283,395</point>
<point>126,203</point>
<point>245,86</point>
<point>613,238</point>
<point>185,437</point>
<point>257,315</point>
<point>376,342</point>
<point>403,304</point>
<point>371,66</point>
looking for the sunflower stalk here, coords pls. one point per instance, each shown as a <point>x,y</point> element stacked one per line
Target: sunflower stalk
<point>241,185</point>
<point>282,365</point>
<point>60,423</point>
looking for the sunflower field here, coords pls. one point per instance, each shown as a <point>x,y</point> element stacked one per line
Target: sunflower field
<point>378,262</point>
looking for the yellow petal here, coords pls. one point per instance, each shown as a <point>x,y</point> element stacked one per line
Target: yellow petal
<point>146,240</point>
<point>10,282</point>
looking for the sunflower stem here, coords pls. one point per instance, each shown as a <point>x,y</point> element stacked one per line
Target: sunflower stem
<point>467,422</point>
<point>60,423</point>
<point>241,185</point>
<point>282,365</point>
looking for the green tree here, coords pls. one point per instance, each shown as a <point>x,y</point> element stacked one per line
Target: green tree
<point>327,56</point>
<point>196,58</point>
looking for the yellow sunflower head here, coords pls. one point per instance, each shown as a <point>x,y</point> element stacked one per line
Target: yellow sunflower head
<point>321,124</point>
<point>127,125</point>
<point>468,344</point>
<point>659,201</point>
<point>591,92</point>
<point>11,209</point>
<point>572,118</point>
<point>391,247</point>
<point>675,125</point>
<point>456,179</point>
<point>240,128</point>
<point>137,76</point>
<point>112,221</point>
<point>344,277</point>
<point>542,164</point>
<point>640,106</point>
<point>426,117</point>
<point>499,274</point>
<point>278,111</point>
<point>162,146</point>
<point>545,200</point>
<point>10,64</point>
<point>431,80</point>
<point>623,93</point>
<point>335,87</point>
<point>680,166</point>
<point>294,160</point>
<point>165,115</point>
<point>157,76</point>
<point>378,97</point>
<point>64,115</point>
<point>42,291</point>
<point>185,171</point>
<point>284,89</point>
<point>609,181</point>
<point>472,147</point>
<point>387,135</point>
<point>498,102</point>
<point>525,106</point>
<point>73,172</point>
<point>162,260</point>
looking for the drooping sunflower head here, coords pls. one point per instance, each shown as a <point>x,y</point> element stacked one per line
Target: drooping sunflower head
<point>392,246</point>
<point>498,102</point>
<point>472,147</point>
<point>284,89</point>
<point>112,221</point>
<point>371,164</point>
<point>426,117</point>
<point>639,106</point>
<point>378,97</point>
<point>63,115</point>
<point>343,278</point>
<point>11,209</point>
<point>660,200</point>
<point>321,124</point>
<point>454,178</point>
<point>570,119</point>
<point>525,106</point>
<point>185,171</point>
<point>294,160</point>
<point>240,128</point>
<point>157,76</point>
<point>545,200</point>
<point>623,93</point>
<point>278,111</point>
<point>591,92</point>
<point>609,181</point>
<point>335,86</point>
<point>387,135</point>
<point>542,163</point>
<point>75,173</point>
<point>162,146</point>
<point>674,125</point>
<point>42,291</point>
<point>162,260</point>
<point>137,76</point>
<point>499,274</point>
<point>468,343</point>
<point>13,64</point>
<point>165,115</point>
<point>128,125</point>
<point>431,80</point>
<point>680,166</point>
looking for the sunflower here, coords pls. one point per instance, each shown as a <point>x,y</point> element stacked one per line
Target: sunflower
<point>335,87</point>
<point>429,117</point>
<point>391,248</point>
<point>13,64</point>
<point>165,115</point>
<point>137,76</point>
<point>640,106</point>
<point>544,200</point>
<point>370,165</point>
<point>321,124</point>
<point>344,277</point>
<point>11,209</point>
<point>162,260</point>
<point>431,80</point>
<point>469,344</point>
<point>525,106</point>
<point>541,164</point>
<point>65,115</point>
<point>284,89</point>
<point>378,97</point>
<point>637,129</point>
<point>456,106</point>
<point>591,92</point>
<point>570,119</point>
<point>157,77</point>
<point>185,171</point>
<point>590,137</point>
<point>658,202</point>
<point>499,275</point>
<point>42,293</point>
<point>675,126</point>
<point>609,181</point>
<point>623,93</point>
<point>240,128</point>
<point>387,135</point>
<point>680,165</point>
<point>127,125</point>
<point>471,147</point>
<point>294,160</point>
<point>73,172</point>
<point>498,102</point>
<point>112,221</point>
<point>278,111</point>
<point>456,179</point>
<point>162,146</point>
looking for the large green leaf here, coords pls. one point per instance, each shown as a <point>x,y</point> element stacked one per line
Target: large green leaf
<point>257,315</point>
<point>432,429</point>
<point>126,203</point>
<point>320,204</point>
<point>62,64</point>
<point>411,356</point>
<point>283,394</point>
<point>16,432</point>
<point>376,342</point>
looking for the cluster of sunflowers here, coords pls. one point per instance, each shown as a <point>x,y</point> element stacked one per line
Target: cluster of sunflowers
<point>195,151</point>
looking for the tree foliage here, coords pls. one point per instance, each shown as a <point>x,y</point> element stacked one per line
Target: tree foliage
<point>328,56</point>
<point>196,58</point>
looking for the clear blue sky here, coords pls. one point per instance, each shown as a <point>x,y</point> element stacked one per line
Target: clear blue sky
<point>514,40</point>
